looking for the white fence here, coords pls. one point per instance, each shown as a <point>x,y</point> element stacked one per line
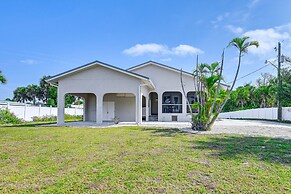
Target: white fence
<point>26,112</point>
<point>259,113</point>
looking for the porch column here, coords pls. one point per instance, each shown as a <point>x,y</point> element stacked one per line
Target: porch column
<point>85,108</point>
<point>147,108</point>
<point>138,99</point>
<point>99,109</point>
<point>160,108</point>
<point>61,108</point>
<point>184,104</point>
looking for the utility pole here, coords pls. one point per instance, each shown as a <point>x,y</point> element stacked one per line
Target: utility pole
<point>279,95</point>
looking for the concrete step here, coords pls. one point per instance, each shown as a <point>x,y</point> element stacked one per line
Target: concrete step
<point>153,118</point>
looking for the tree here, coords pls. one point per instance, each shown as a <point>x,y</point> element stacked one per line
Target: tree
<point>48,93</point>
<point>3,80</point>
<point>264,79</point>
<point>242,46</point>
<point>262,96</point>
<point>44,88</point>
<point>52,96</point>
<point>209,94</point>
<point>20,94</point>
<point>33,93</point>
<point>212,97</point>
<point>243,94</point>
<point>232,102</point>
<point>69,100</point>
<point>44,92</point>
<point>286,86</point>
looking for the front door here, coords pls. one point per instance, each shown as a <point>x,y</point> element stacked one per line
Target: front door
<point>108,111</point>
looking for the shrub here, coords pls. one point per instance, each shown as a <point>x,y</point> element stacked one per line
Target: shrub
<point>73,117</point>
<point>51,102</point>
<point>44,118</point>
<point>54,118</point>
<point>6,117</point>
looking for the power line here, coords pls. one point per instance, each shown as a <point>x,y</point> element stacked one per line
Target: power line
<point>249,73</point>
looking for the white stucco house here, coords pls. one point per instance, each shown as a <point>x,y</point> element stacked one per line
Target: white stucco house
<point>147,92</point>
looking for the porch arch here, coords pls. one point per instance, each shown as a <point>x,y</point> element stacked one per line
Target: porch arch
<point>123,106</point>
<point>89,106</point>
<point>153,106</point>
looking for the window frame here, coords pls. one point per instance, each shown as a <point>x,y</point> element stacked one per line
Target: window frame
<point>172,102</point>
<point>190,101</point>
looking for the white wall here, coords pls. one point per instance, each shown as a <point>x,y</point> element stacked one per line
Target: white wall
<point>124,106</point>
<point>27,112</point>
<point>259,113</point>
<point>90,107</point>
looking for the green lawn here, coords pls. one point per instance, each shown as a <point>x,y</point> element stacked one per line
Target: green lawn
<point>137,160</point>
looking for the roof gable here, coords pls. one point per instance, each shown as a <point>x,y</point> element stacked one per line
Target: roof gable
<point>159,65</point>
<point>165,67</point>
<point>57,77</point>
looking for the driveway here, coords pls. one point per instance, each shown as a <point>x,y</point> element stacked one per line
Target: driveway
<point>228,126</point>
<point>223,126</point>
<point>251,128</point>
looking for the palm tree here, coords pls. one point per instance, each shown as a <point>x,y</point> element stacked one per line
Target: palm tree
<point>208,80</point>
<point>242,46</point>
<point>213,69</point>
<point>2,78</point>
<point>44,89</point>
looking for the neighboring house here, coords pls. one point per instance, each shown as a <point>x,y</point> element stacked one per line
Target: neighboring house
<point>150,91</point>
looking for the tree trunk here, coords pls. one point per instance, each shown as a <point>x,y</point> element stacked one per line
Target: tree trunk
<point>228,95</point>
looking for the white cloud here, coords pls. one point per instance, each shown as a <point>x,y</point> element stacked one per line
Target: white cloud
<point>268,38</point>
<point>236,30</point>
<point>153,48</point>
<point>141,49</point>
<point>186,50</point>
<point>28,61</point>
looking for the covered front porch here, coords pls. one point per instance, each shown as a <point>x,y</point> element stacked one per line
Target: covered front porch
<point>109,93</point>
<point>105,108</point>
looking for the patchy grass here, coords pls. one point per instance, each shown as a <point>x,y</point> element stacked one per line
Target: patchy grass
<point>137,160</point>
<point>34,123</point>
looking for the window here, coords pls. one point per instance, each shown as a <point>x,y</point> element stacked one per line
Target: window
<point>172,102</point>
<point>192,97</point>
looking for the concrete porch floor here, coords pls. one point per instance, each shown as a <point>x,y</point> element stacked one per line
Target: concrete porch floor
<point>111,124</point>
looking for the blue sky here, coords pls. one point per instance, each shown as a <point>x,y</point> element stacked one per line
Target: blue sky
<point>48,37</point>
